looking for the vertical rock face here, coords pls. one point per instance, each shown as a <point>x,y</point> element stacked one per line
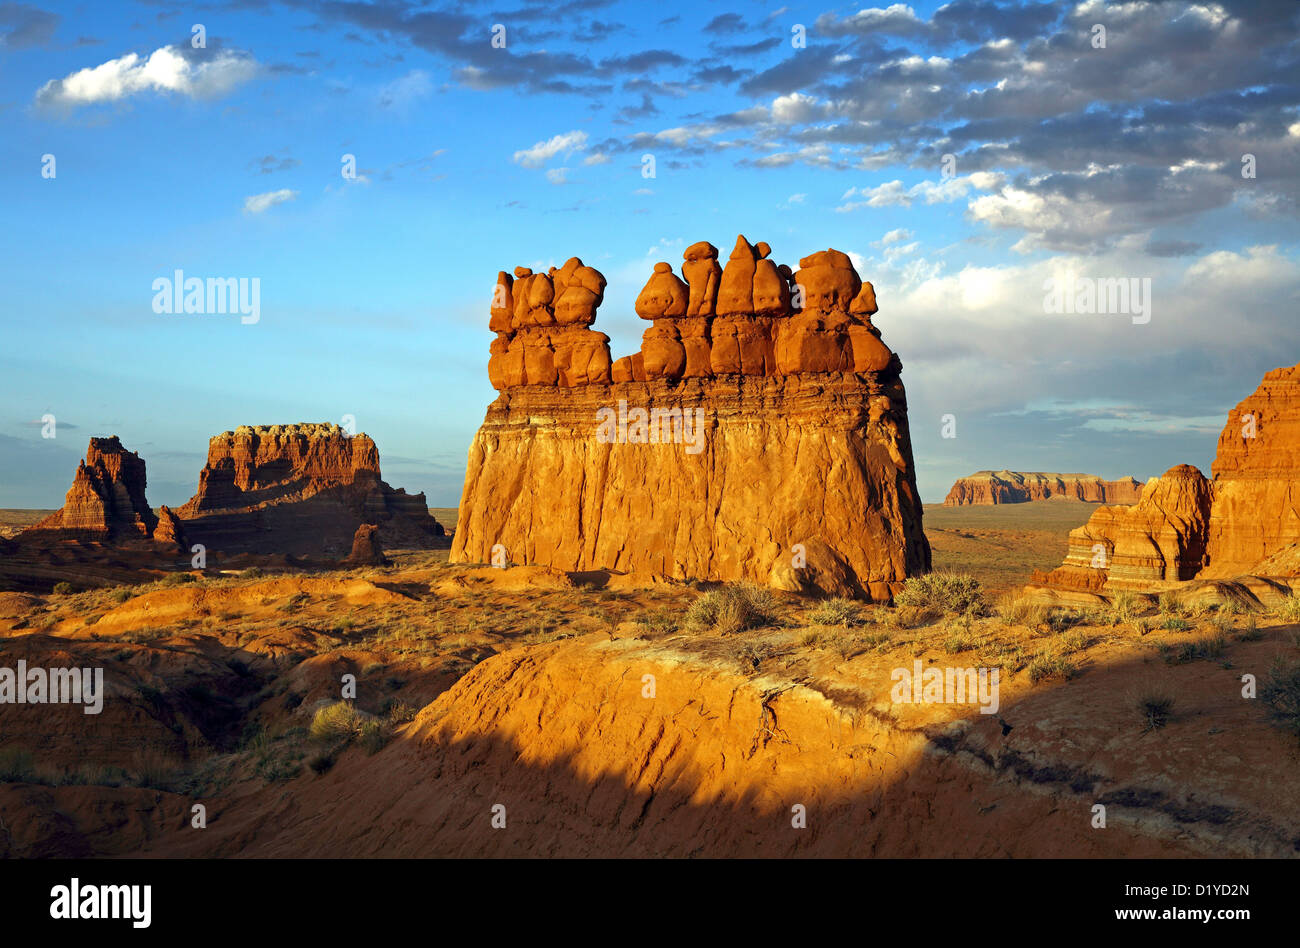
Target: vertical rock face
<point>366,550</point>
<point>1016,487</point>
<point>301,488</point>
<point>746,440</point>
<point>1246,520</point>
<point>107,498</point>
<point>1257,478</point>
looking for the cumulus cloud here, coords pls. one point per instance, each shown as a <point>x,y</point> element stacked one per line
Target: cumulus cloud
<point>894,193</point>
<point>542,152</point>
<point>171,69</point>
<point>257,203</point>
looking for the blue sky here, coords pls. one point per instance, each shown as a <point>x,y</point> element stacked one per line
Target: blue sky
<point>1122,161</point>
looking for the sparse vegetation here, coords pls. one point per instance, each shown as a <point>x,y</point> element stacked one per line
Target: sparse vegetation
<point>1124,608</point>
<point>63,589</point>
<point>1049,664</point>
<point>837,611</point>
<point>1020,610</point>
<point>1289,609</point>
<point>1155,707</point>
<point>1281,692</point>
<point>731,609</point>
<point>1175,624</point>
<point>945,593</point>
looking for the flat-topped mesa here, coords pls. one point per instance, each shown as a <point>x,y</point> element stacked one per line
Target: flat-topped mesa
<point>106,499</point>
<point>301,488</point>
<point>1246,521</point>
<point>760,433</point>
<point>1017,487</point>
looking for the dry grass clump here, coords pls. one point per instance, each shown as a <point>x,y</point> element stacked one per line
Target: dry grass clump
<point>1049,664</point>
<point>1289,609</point>
<point>1020,610</point>
<point>731,609</point>
<point>945,593</point>
<point>1124,608</point>
<point>1155,708</point>
<point>837,611</point>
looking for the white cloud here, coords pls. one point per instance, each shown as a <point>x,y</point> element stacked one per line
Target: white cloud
<point>945,191</point>
<point>166,70</point>
<point>557,175</point>
<point>597,158</point>
<point>893,237</point>
<point>401,94</point>
<point>542,152</point>
<point>257,203</point>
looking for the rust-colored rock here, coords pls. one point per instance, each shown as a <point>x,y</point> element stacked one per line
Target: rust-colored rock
<point>298,489</point>
<point>703,274</point>
<point>106,499</point>
<point>366,550</point>
<point>1246,521</point>
<point>1017,487</point>
<point>169,530</point>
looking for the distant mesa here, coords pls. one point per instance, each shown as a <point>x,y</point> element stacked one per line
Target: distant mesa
<point>1243,522</point>
<point>275,491</point>
<point>1018,487</point>
<point>300,489</point>
<point>800,475</point>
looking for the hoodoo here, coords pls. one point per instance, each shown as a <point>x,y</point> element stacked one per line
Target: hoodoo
<point>802,476</point>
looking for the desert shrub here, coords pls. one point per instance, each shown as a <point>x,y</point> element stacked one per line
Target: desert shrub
<point>399,712</point>
<point>253,572</point>
<point>321,762</point>
<point>1020,610</point>
<point>958,637</point>
<point>1251,631</point>
<point>1175,624</point>
<point>178,579</point>
<point>1047,665</point>
<point>336,722</point>
<point>91,620</point>
<point>1281,692</point>
<point>63,588</point>
<point>1124,607</point>
<point>1206,647</point>
<point>1171,604</point>
<point>811,638</point>
<point>1155,708</point>
<point>837,611</point>
<point>120,596</point>
<point>732,609</point>
<point>752,654</point>
<point>1076,640</point>
<point>373,735</point>
<point>947,593</point>
<point>1058,620</point>
<point>1289,609</point>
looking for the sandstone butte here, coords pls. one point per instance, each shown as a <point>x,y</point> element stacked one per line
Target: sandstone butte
<point>1245,521</point>
<point>107,501</point>
<point>299,489</point>
<point>1017,487</point>
<point>800,475</point>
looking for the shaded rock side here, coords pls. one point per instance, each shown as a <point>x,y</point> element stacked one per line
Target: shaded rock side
<point>366,550</point>
<point>299,489</point>
<point>1017,487</point>
<point>825,463</point>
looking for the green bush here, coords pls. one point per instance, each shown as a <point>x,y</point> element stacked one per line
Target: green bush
<point>948,593</point>
<point>63,588</point>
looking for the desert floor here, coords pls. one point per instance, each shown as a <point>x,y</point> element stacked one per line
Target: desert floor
<point>615,715</point>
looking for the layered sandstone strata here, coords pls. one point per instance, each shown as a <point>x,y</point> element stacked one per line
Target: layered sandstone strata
<point>1246,521</point>
<point>760,434</point>
<point>1017,487</point>
<point>302,489</point>
<point>107,496</point>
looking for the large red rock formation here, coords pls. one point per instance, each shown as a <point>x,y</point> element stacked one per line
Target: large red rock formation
<point>760,433</point>
<point>1017,487</point>
<point>301,489</point>
<point>1246,521</point>
<point>106,500</point>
